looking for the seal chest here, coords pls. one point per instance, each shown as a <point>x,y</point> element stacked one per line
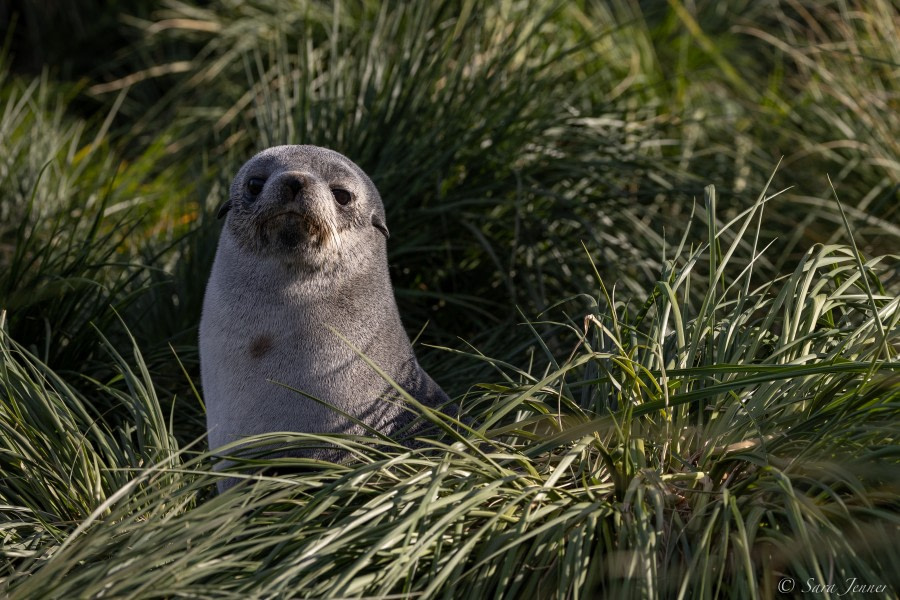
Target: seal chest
<point>302,255</point>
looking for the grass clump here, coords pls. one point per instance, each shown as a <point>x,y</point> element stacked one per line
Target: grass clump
<point>76,220</point>
<point>725,435</point>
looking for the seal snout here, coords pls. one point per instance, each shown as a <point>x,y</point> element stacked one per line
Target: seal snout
<point>293,184</point>
<point>292,214</point>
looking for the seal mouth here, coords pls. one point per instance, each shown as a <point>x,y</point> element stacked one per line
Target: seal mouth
<point>283,215</point>
<point>291,227</point>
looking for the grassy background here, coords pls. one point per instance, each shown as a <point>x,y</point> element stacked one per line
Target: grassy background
<point>677,390</point>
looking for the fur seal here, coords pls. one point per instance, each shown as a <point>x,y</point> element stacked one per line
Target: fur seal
<point>302,254</point>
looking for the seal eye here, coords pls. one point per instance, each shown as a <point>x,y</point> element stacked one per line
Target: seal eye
<point>343,197</point>
<point>255,185</point>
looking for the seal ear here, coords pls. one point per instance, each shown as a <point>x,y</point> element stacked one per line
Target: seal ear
<point>378,223</point>
<point>223,210</point>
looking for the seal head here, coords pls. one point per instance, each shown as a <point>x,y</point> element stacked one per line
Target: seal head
<point>297,201</point>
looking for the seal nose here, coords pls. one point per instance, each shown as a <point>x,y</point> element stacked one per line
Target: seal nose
<point>294,183</point>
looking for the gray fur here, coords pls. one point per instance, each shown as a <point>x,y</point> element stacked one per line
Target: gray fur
<point>279,282</point>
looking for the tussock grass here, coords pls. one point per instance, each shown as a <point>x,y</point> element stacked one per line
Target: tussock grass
<point>704,446</point>
<point>74,221</point>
